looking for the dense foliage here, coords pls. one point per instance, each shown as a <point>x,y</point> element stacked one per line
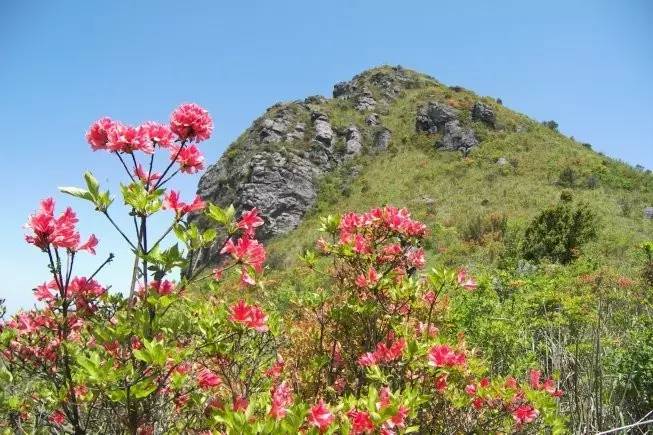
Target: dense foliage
<point>558,233</point>
<point>370,350</point>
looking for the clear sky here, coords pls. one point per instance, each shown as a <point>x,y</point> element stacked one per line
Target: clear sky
<point>586,64</point>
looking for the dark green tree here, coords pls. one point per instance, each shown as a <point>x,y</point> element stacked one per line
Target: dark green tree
<point>558,232</point>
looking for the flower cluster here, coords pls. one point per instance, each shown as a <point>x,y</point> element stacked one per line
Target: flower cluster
<point>250,316</point>
<point>188,123</point>
<point>57,232</point>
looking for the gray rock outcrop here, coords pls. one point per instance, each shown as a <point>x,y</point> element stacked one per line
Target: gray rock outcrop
<point>484,113</point>
<point>439,117</point>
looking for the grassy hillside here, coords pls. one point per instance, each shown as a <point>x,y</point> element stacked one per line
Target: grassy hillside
<point>452,194</point>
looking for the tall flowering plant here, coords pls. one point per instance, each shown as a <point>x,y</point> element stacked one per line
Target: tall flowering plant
<point>156,360</point>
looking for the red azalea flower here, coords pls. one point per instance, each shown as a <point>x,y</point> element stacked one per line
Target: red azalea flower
<point>172,201</point>
<point>159,134</point>
<point>281,400</point>
<point>246,250</point>
<point>466,281</point>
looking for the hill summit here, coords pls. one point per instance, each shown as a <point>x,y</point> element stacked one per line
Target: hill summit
<point>393,135</point>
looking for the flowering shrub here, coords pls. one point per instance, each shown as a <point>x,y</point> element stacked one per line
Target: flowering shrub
<point>368,353</point>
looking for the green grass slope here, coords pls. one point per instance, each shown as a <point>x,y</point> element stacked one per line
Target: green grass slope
<point>475,207</point>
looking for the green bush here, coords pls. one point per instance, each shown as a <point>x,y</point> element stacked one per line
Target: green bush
<point>558,232</point>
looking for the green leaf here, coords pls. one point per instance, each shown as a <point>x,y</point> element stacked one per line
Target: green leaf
<point>143,388</point>
<point>77,192</point>
<point>92,183</point>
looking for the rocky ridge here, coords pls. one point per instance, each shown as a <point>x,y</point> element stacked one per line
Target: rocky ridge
<point>277,163</point>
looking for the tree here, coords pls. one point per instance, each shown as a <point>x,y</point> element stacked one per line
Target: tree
<point>558,233</point>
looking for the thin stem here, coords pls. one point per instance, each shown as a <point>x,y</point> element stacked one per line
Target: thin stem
<point>125,166</point>
<point>174,160</point>
<point>169,178</point>
<point>107,261</point>
<point>162,237</point>
<point>106,213</point>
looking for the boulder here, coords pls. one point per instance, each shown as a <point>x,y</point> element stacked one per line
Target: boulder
<point>381,139</point>
<point>648,213</point>
<point>353,141</point>
<point>434,116</point>
<point>372,119</point>
<point>502,161</point>
<point>484,113</point>
<point>457,138</point>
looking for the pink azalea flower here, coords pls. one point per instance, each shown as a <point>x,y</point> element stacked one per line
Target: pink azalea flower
<point>441,383</point>
<point>172,201</point>
<point>159,134</point>
<point>416,258</point>
<point>249,315</point>
<point>162,288</point>
<point>190,158</point>
<point>443,356</point>
<point>97,134</point>
<point>240,404</point>
<point>525,414</point>
<point>281,400</point>
<point>466,281</point>
<point>57,417</point>
<point>59,232</point>
<point>127,139</point>
<point>206,379</point>
<point>320,416</point>
<point>360,422</point>
<point>149,179</point>
<point>192,122</point>
<point>246,250</point>
<point>249,221</point>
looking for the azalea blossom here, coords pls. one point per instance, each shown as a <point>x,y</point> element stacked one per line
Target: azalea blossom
<point>159,134</point>
<point>369,280</point>
<point>127,139</point>
<point>246,250</point>
<point>249,315</point>
<point>465,281</point>
<point>443,356</point>
<point>148,178</point>
<point>320,416</point>
<point>360,421</point>
<point>190,158</point>
<point>240,404</point>
<point>97,134</point>
<point>58,232</point>
<point>525,414</point>
<point>281,400</point>
<point>163,287</point>
<point>441,383</point>
<point>249,221</point>
<point>172,201</point>
<point>386,351</point>
<point>191,122</point>
<point>206,379</point>
<point>58,417</point>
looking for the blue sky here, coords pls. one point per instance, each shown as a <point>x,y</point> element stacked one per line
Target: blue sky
<point>585,64</point>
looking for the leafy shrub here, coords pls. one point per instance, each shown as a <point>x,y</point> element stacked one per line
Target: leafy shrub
<point>558,233</point>
<point>480,229</point>
<point>550,124</point>
<point>567,178</point>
